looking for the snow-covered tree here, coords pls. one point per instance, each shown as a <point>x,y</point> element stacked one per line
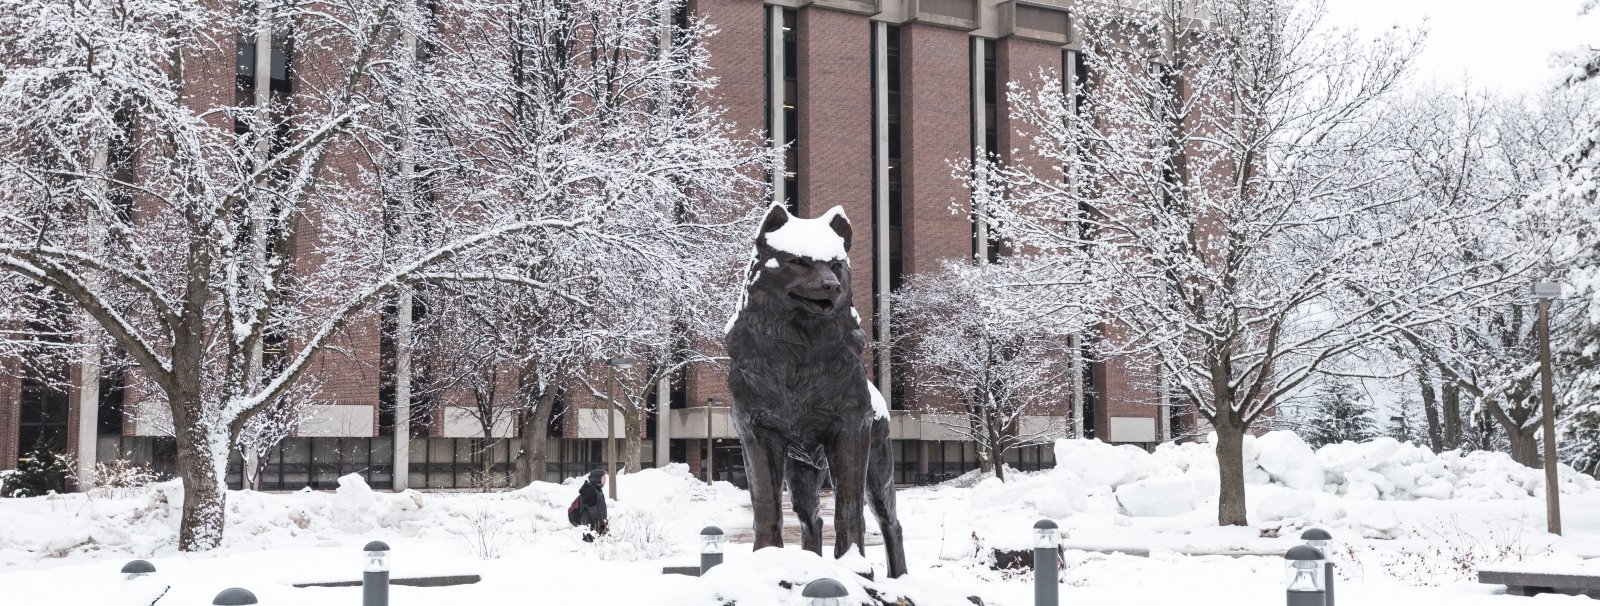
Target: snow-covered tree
<point>1339,413</point>
<point>1224,160</point>
<point>1576,194</point>
<point>232,229</point>
<point>987,349</point>
<point>630,79</point>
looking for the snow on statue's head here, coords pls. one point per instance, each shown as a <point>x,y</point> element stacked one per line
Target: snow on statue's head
<point>802,263</point>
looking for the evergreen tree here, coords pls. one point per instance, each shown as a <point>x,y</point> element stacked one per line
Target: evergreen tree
<point>1339,413</point>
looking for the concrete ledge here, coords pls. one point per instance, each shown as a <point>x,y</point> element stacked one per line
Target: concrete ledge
<point>688,571</point>
<point>447,581</point>
<point>1528,583</point>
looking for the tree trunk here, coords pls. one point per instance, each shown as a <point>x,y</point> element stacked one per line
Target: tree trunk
<point>204,505</point>
<point>533,433</point>
<point>1430,406</point>
<point>1230,470</point>
<point>1524,446</point>
<point>633,439</point>
<point>1452,414</point>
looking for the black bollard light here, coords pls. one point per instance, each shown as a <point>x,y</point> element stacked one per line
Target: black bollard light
<point>710,548</point>
<point>825,592</point>
<point>375,576</point>
<point>138,568</point>
<point>1319,538</point>
<point>234,597</point>
<point>1046,551</point>
<point>1305,576</point>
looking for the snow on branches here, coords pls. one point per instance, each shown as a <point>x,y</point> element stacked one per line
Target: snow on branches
<point>204,227</point>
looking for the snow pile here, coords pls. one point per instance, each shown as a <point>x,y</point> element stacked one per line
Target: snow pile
<point>777,575</point>
<point>1286,479</point>
<point>146,524</point>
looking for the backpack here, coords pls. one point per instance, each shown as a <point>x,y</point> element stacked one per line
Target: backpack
<point>574,509</point>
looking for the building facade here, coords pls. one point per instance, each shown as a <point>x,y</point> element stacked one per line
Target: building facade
<point>873,101</point>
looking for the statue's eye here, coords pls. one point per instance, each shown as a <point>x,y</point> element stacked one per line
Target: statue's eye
<point>799,262</point>
<point>837,266</point>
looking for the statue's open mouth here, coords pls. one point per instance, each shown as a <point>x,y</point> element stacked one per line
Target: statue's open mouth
<point>821,306</point>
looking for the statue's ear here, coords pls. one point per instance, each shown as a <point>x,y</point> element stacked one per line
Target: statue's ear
<point>777,215</point>
<point>841,225</point>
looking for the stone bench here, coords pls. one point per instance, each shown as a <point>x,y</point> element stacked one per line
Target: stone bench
<point>439,581</point>
<point>1528,582</point>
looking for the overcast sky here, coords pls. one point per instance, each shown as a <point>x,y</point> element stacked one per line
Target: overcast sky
<point>1501,45</point>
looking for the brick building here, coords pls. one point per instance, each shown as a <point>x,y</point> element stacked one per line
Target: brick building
<point>874,98</point>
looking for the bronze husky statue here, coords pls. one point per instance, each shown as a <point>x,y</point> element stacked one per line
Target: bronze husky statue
<point>802,403</point>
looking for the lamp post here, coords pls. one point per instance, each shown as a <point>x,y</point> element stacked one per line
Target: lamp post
<point>375,575</point>
<point>616,364</point>
<point>1318,539</point>
<point>1305,576</point>
<point>710,548</point>
<point>711,405</point>
<point>825,592</point>
<point>1046,543</point>
<point>1545,291</point>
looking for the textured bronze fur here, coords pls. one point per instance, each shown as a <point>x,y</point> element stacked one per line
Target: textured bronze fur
<point>801,402</point>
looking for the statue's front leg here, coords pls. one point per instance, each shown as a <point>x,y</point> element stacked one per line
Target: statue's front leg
<point>763,466</point>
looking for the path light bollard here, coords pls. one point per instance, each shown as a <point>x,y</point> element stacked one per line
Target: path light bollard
<point>1319,538</point>
<point>825,592</point>
<point>375,576</point>
<point>1046,551</point>
<point>710,548</point>
<point>139,586</point>
<point>1305,576</point>
<point>138,568</point>
<point>234,597</point>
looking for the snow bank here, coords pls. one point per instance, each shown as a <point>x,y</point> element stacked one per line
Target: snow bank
<point>779,575</point>
<point>656,502</point>
<point>1284,476</point>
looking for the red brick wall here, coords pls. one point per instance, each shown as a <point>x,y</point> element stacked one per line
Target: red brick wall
<point>1019,60</point>
<point>835,139</point>
<point>935,129</point>
<point>738,61</point>
<point>347,370</point>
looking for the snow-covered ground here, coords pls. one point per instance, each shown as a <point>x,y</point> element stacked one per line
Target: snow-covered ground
<point>1411,528</point>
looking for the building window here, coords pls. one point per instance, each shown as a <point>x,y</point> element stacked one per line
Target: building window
<point>791,113</point>
<point>112,397</point>
<point>43,421</point>
<point>896,218</point>
<point>1089,387</point>
<point>984,78</point>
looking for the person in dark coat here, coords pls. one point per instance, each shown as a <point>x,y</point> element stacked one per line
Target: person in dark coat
<point>592,505</point>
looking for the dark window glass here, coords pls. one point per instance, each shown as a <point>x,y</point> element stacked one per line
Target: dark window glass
<point>113,389</point>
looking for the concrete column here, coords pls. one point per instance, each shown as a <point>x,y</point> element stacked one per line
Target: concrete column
<point>89,376</point>
<point>258,246</point>
<point>775,98</point>
<point>1076,343</point>
<point>402,326</point>
<point>88,414</point>
<point>880,231</point>
<point>663,421</point>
